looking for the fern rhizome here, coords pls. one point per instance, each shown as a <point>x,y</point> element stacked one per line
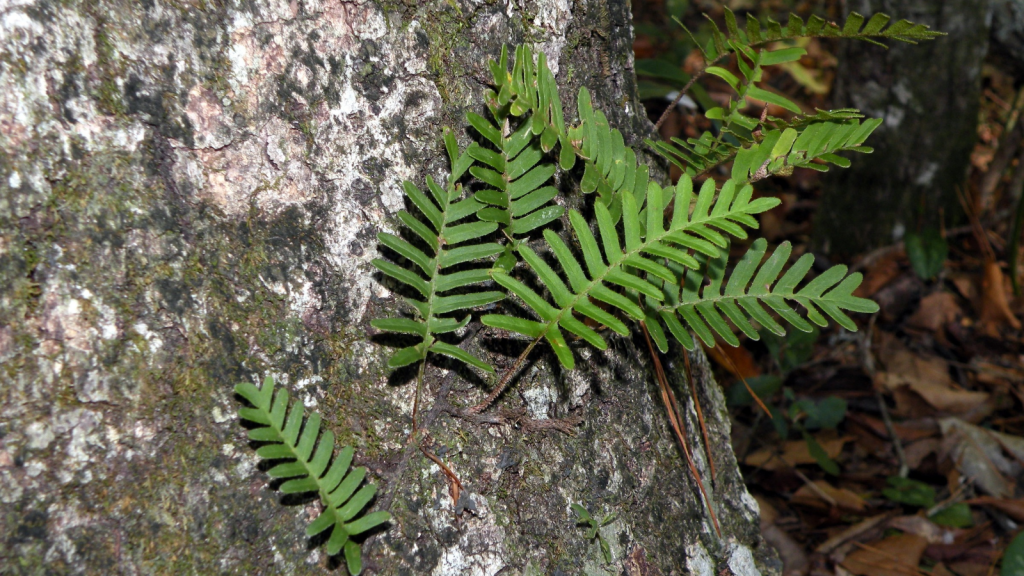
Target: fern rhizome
<point>650,257</point>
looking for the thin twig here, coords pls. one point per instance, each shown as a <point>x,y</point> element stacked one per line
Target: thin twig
<point>505,379</point>
<point>683,90</point>
<point>869,366</point>
<point>668,398</point>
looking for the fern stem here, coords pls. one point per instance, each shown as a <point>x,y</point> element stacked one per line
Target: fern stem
<point>416,398</point>
<point>506,378</point>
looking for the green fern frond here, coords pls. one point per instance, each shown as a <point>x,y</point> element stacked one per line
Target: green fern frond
<point>448,244</point>
<point>610,167</point>
<point>291,436</point>
<point>797,144</point>
<point>704,297</point>
<point>782,151</point>
<point>518,198</point>
<point>855,27</point>
<point>626,260</point>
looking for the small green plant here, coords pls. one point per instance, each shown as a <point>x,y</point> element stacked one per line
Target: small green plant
<point>594,527</point>
<point>305,461</point>
<point>921,495</point>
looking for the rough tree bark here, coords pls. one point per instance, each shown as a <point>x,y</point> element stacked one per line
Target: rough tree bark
<point>190,196</point>
<point>928,95</point>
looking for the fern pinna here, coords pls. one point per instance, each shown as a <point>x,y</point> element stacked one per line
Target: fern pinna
<point>308,466</point>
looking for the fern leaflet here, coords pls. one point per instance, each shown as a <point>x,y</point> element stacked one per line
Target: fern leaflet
<point>816,27</point>
<point>310,467</point>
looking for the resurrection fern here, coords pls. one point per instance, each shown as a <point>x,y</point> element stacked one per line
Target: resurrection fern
<point>610,167</point>
<point>517,197</point>
<point>854,28</point>
<point>782,151</point>
<point>699,306</point>
<point>756,48</point>
<point>627,261</point>
<point>308,463</point>
<point>449,245</point>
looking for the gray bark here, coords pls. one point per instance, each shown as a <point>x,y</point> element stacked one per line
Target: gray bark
<point>190,197</point>
<point>928,95</point>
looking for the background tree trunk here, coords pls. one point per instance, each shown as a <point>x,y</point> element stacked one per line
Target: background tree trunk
<point>928,95</point>
<point>191,194</point>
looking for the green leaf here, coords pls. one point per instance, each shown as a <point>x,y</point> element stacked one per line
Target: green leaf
<point>820,456</point>
<point>781,56</point>
<point>956,516</point>
<point>461,355</point>
<point>405,356</point>
<point>307,459</point>
<point>764,386</point>
<point>827,413</point>
<point>1013,557</point>
<point>927,252</point>
<point>772,98</point>
<point>528,328</point>
<point>912,492</point>
<point>580,511</point>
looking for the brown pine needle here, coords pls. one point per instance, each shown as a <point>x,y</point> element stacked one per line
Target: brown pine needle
<point>456,488</point>
<point>700,414</point>
<point>750,390</point>
<point>670,402</point>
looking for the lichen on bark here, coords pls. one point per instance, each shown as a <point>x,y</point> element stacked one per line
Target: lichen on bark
<point>191,192</point>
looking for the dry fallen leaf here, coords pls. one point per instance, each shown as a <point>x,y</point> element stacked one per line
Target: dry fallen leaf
<point>916,452</point>
<point>979,456</point>
<point>857,530</point>
<point>924,528</point>
<point>843,498</point>
<point>794,559</point>
<point>881,272</point>
<point>935,311</point>
<point>895,556</point>
<point>993,305</point>
<point>737,360</point>
<point>1012,508</point>
<point>941,570</point>
<point>794,452</point>
<point>926,376</point>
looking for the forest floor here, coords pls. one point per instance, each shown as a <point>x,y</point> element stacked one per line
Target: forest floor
<point>896,450</point>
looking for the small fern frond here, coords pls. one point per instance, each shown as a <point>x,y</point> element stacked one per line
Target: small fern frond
<point>638,251</point>
<point>874,30</point>
<point>705,296</point>
<point>312,466</point>
<point>448,245</point>
<point>798,143</point>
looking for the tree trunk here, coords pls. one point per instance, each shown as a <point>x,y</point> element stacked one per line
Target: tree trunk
<point>928,95</point>
<point>191,194</point>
